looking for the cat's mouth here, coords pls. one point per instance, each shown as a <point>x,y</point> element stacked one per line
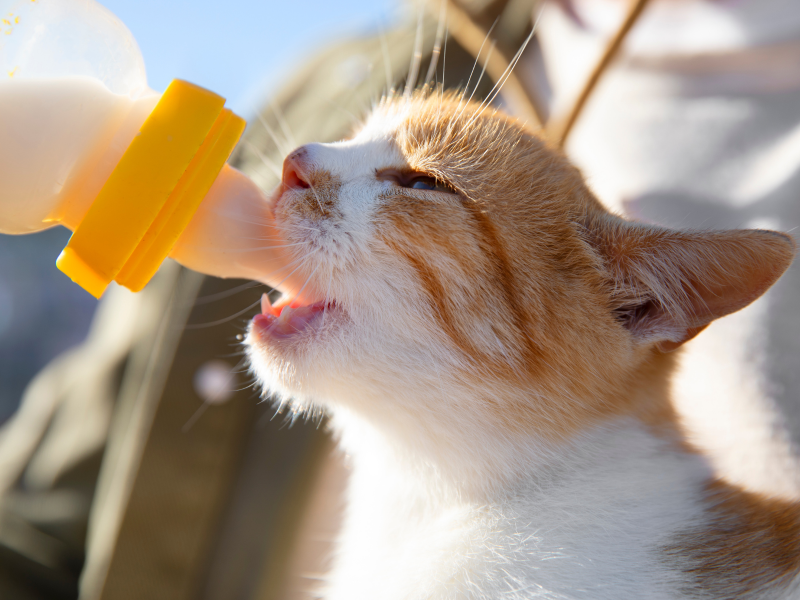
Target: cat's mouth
<point>288,319</point>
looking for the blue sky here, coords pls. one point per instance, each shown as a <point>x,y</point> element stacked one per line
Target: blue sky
<point>240,49</point>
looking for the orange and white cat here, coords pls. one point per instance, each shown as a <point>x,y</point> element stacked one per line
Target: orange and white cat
<point>495,349</point>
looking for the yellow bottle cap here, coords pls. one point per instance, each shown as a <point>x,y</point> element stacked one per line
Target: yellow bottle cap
<point>155,189</point>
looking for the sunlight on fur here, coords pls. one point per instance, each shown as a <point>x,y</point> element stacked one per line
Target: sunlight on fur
<point>494,349</point>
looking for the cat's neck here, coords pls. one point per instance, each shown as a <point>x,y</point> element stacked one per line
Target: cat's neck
<point>404,518</point>
<point>477,454</point>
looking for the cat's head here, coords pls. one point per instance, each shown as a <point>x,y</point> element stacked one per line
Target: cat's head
<point>454,263</point>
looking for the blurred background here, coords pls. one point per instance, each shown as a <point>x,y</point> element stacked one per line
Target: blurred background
<point>240,50</point>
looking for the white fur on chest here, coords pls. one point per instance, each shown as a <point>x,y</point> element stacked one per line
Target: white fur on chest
<point>588,525</point>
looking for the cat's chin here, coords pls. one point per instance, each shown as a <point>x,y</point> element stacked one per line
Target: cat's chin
<point>290,348</point>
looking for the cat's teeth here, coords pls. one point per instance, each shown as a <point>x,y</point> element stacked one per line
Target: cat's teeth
<point>266,305</point>
<point>286,314</point>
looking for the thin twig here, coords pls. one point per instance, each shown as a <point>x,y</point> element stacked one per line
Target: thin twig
<point>559,128</point>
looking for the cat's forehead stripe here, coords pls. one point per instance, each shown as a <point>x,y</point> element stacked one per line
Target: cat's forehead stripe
<point>416,236</point>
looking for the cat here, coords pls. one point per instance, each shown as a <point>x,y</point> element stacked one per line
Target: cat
<point>494,349</point>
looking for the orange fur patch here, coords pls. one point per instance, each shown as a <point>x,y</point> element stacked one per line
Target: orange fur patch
<point>749,545</point>
<point>320,199</point>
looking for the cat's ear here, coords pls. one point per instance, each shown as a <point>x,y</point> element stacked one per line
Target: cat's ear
<point>667,286</point>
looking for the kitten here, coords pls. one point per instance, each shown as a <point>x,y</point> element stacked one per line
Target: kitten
<point>494,349</point>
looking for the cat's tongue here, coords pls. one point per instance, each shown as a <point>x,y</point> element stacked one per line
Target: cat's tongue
<point>285,318</point>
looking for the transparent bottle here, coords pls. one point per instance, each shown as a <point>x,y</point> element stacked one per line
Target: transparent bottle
<point>136,175</point>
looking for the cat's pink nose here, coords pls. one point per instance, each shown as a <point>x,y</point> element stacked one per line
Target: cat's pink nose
<point>295,170</point>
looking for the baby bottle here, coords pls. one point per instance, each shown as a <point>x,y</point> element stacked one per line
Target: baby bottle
<point>136,175</point>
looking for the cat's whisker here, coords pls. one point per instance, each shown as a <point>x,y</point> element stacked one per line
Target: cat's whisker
<point>193,326</point>
<point>250,385</point>
<point>308,279</point>
<point>296,261</point>
<point>282,146</point>
<point>237,344</point>
<point>270,179</point>
<point>259,248</point>
<point>267,162</point>
<point>242,353</point>
<point>416,59</point>
<point>238,217</point>
<point>250,248</point>
<point>200,300</point>
<point>342,109</point>
<point>327,298</point>
<point>444,64</point>
<point>498,86</point>
<point>483,70</point>
<point>204,406</point>
<point>241,366</point>
<point>264,238</point>
<point>387,62</point>
<point>287,133</point>
<point>307,228</point>
<point>195,417</point>
<point>299,260</point>
<point>437,44</point>
<point>238,365</point>
<point>319,202</point>
<point>474,65</point>
<point>507,73</point>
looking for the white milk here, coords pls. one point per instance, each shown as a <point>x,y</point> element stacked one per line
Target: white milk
<point>60,138</point>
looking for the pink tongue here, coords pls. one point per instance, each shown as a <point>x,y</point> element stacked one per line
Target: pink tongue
<point>293,320</point>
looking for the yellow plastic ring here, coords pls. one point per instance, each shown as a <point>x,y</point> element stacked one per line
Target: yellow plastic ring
<point>154,191</point>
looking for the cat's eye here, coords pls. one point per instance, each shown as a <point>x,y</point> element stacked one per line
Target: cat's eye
<point>424,183</point>
<point>413,180</point>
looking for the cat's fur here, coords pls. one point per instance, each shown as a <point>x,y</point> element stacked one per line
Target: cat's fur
<point>496,363</point>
